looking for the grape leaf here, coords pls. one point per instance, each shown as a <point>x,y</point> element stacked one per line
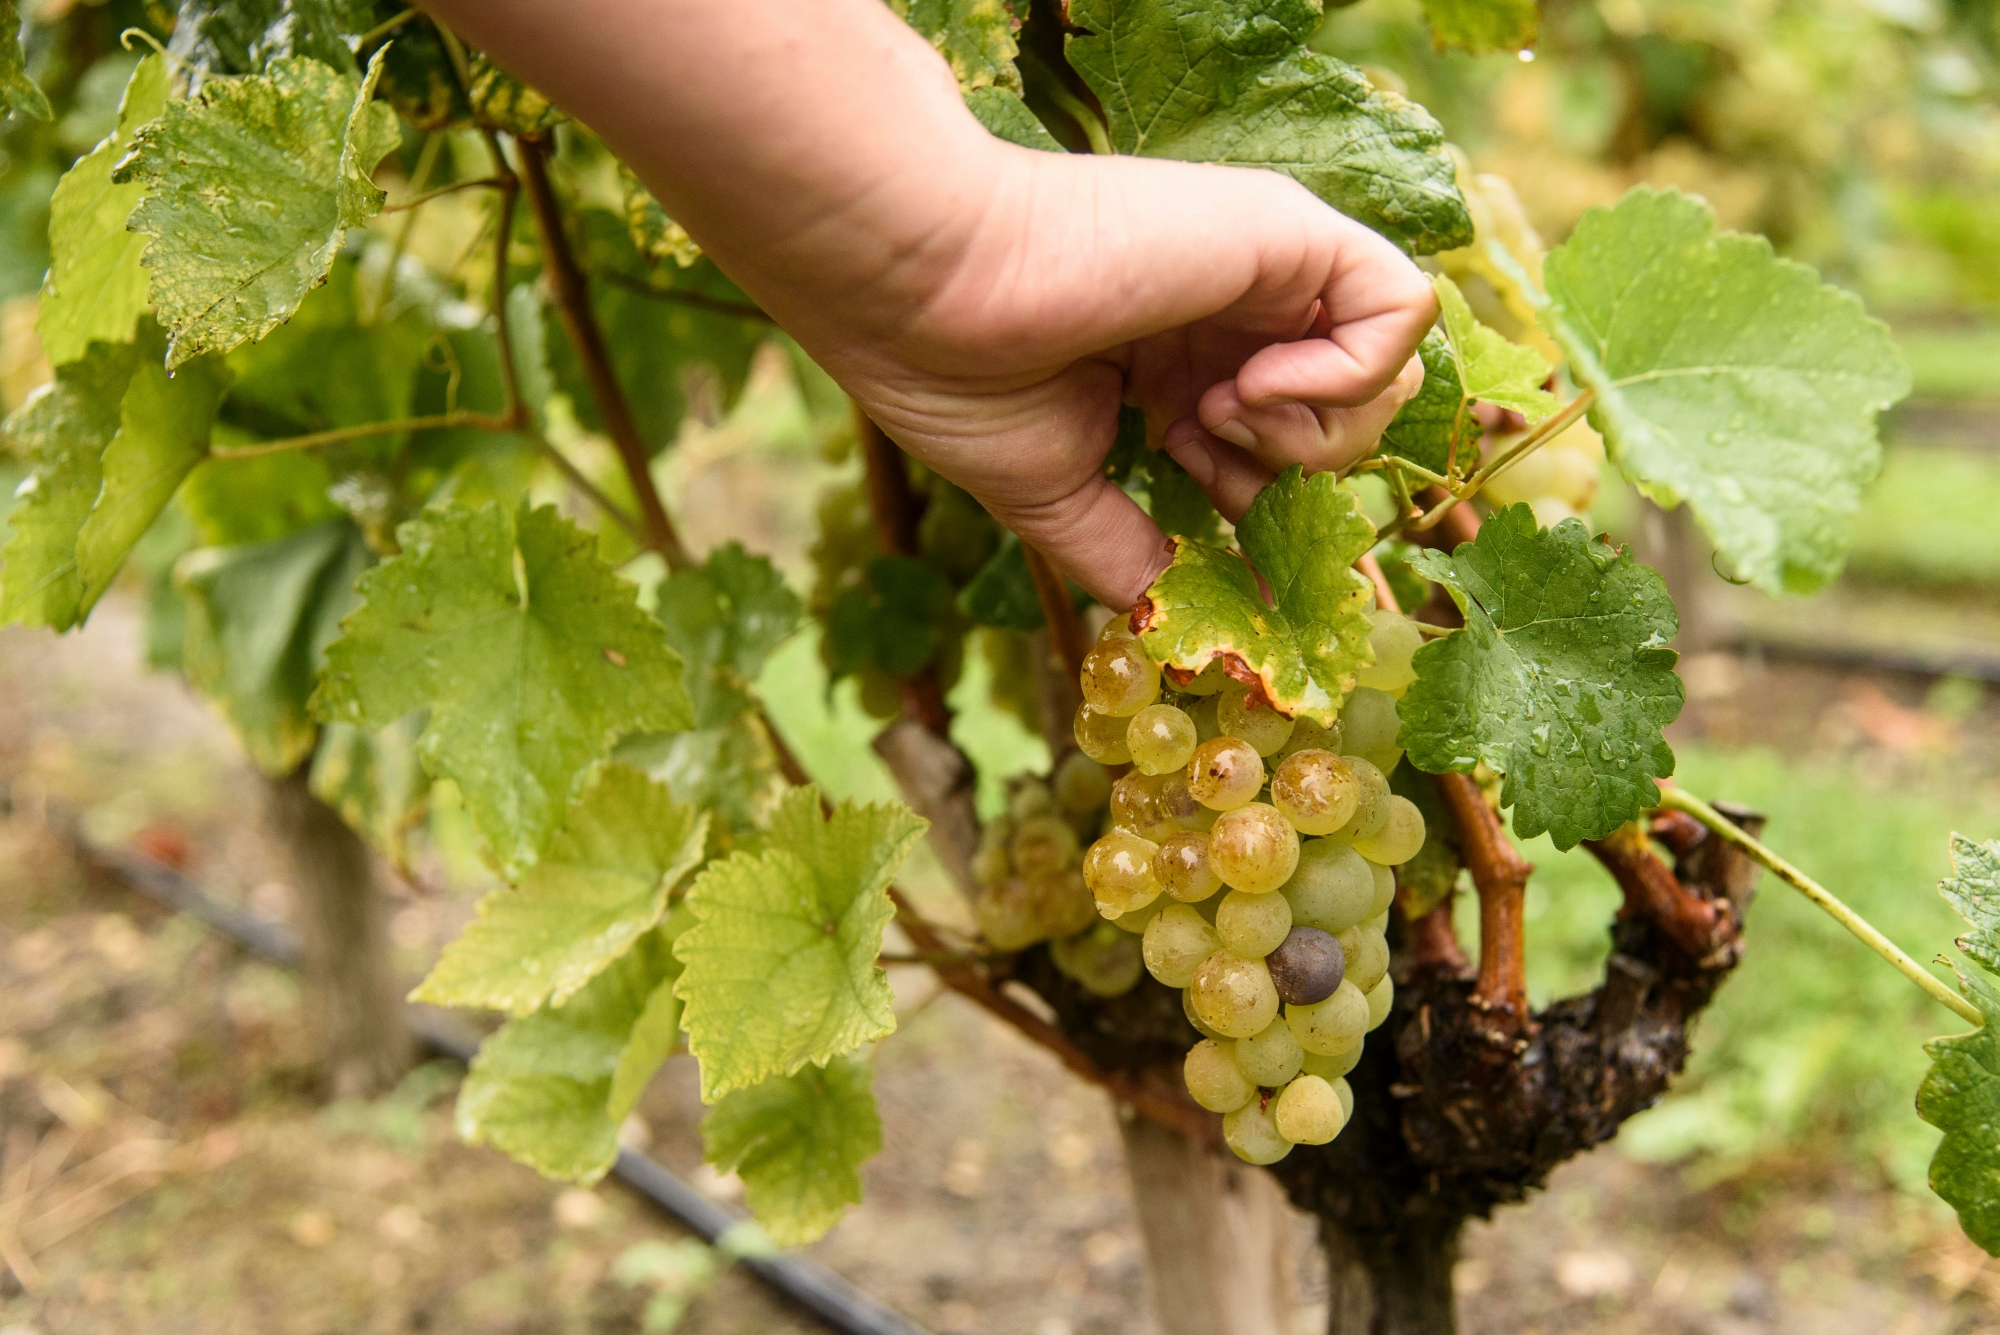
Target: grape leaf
<point>892,621</point>
<point>505,103</point>
<point>234,501</point>
<point>248,36</point>
<point>656,236</point>
<point>251,187</point>
<point>418,79</point>
<point>1304,534</point>
<point>17,90</point>
<point>96,288</point>
<point>1960,1096</point>
<point>259,618</point>
<point>549,1089</point>
<point>1973,889</point>
<point>602,884</point>
<point>1491,369</point>
<point>1560,678</point>
<point>781,963</point>
<point>374,780</point>
<point>1727,378</point>
<point>1006,116</point>
<point>531,653</point>
<point>1423,429</point>
<point>1003,592</point>
<point>798,1143</point>
<point>724,618</point>
<point>1232,81</point>
<point>976,38</point>
<point>1481,25</point>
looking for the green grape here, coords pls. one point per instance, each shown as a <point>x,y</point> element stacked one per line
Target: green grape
<point>1234,995</point>
<point>1006,915</point>
<point>1209,681</point>
<point>1213,1078</point>
<point>1104,960</point>
<point>1371,807</point>
<point>1118,628</point>
<point>1224,773</point>
<point>1120,678</point>
<point>1271,1056</point>
<point>1331,1026</point>
<point>1367,954</point>
<point>1138,920</point>
<point>1346,1092</point>
<point>1310,736</point>
<point>1100,736</point>
<point>1252,1133</point>
<point>1081,786</point>
<point>1202,713</point>
<point>1250,717</point>
<point>1253,848</point>
<point>880,696</point>
<point>1042,843</point>
<point>1308,1111</point>
<point>1160,738</point>
<point>1135,806</point>
<point>1173,802</point>
<point>1333,887</point>
<point>1332,1068</point>
<point>1182,867</point>
<point>1253,925</point>
<point>1400,837</point>
<point>1394,638</point>
<point>1378,923</point>
<point>1062,902</point>
<point>1385,890</point>
<point>1119,871</point>
<point>991,865</point>
<point>1177,940</point>
<point>1368,728</point>
<point>1201,1026</point>
<point>1029,797</point>
<point>1316,791</point>
<point>1381,998</point>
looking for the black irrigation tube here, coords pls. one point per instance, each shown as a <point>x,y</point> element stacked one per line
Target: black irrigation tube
<point>812,1286</point>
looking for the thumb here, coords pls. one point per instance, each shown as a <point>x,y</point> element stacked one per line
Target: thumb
<point>1096,535</point>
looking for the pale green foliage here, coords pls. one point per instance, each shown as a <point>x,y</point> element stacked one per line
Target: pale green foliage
<point>1973,888</point>
<point>976,37</point>
<point>250,189</point>
<point>1004,114</point>
<point>781,967</point>
<point>542,1087</point>
<point>373,779</point>
<point>1560,678</point>
<point>724,618</point>
<point>259,617</point>
<point>17,90</point>
<point>1727,378</point>
<point>1304,534</point>
<point>1482,25</point>
<point>1491,369</point>
<point>1961,1097</point>
<point>532,655</point>
<point>1232,81</point>
<point>604,881</point>
<point>96,288</point>
<point>798,1143</point>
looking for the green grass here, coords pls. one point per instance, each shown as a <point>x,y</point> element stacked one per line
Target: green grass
<point>1962,363</point>
<point>1931,517</point>
<point>1814,1047</point>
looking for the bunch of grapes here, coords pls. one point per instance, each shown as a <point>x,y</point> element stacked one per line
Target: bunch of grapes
<point>1031,888</point>
<point>1253,854</point>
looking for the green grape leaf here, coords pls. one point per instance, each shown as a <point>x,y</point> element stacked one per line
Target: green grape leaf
<point>418,79</point>
<point>1423,429</point>
<point>1491,369</point>
<point>374,780</point>
<point>1426,879</point>
<point>505,103</point>
<point>248,36</point>
<point>234,501</point>
<point>1003,592</point>
<point>541,1089</point>
<point>1960,1096</point>
<point>1006,116</point>
<point>109,441</point>
<point>656,236</point>
<point>1727,378</point>
<point>17,90</point>
<point>798,1143</point>
<point>1481,25</point>
<point>1232,81</point>
<point>259,618</point>
<point>976,38</point>
<point>603,883</point>
<point>96,288</point>
<point>1973,889</point>
<point>1560,678</point>
<point>531,653</point>
<point>780,968</point>
<point>729,771</point>
<point>892,621</point>
<point>724,618</point>
<point>251,187</point>
<point>1304,534</point>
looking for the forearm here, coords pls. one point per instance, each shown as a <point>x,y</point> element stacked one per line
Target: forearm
<point>802,142</point>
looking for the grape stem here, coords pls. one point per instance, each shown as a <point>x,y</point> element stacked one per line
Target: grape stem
<point>1500,875</point>
<point>1548,430</point>
<point>417,201</point>
<point>1679,799</point>
<point>1067,637</point>
<point>701,301</point>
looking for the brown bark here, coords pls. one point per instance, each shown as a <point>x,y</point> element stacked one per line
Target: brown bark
<point>1067,636</point>
<point>1432,940</point>
<point>1500,875</point>
<point>1393,1284</point>
<point>354,1003</point>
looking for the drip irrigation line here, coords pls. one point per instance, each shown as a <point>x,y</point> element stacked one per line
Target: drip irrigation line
<point>812,1286</point>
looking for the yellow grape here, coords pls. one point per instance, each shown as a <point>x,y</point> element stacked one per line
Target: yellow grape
<point>1253,925</point>
<point>1310,736</point>
<point>1381,998</point>
<point>1271,1056</point>
<point>1224,773</point>
<point>1120,678</point>
<point>1104,960</point>
<point>1371,807</point>
<point>1253,848</point>
<point>1042,843</point>
<point>1062,902</point>
<point>1138,920</point>
<point>1333,887</point>
<point>1399,839</point>
<point>1006,915</point>
<point>1233,995</point>
<point>1182,867</point>
<point>1119,871</point>
<point>1160,739</point>
<point>1177,940</point>
<point>1202,713</point>
<point>1369,724</point>
<point>1367,954</point>
<point>1332,1068</point>
<point>1252,1133</point>
<point>1213,1078</point>
<point>1081,785</point>
<point>1308,1111</point>
<point>1101,736</point>
<point>1394,638</point>
<point>1248,716</point>
<point>1316,790</point>
<point>1201,1026</point>
<point>1331,1026</point>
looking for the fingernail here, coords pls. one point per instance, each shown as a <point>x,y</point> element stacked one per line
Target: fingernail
<point>1235,433</point>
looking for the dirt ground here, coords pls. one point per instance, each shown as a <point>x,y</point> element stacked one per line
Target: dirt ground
<point>169,1168</point>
